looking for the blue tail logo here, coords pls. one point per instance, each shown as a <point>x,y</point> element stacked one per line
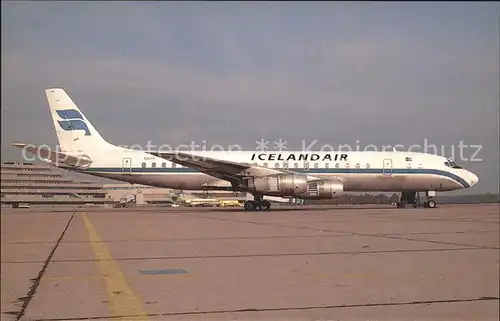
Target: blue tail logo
<point>72,120</point>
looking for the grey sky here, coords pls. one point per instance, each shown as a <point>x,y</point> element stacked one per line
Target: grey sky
<point>233,73</point>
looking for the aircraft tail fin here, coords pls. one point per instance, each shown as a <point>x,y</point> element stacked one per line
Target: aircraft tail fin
<point>74,131</point>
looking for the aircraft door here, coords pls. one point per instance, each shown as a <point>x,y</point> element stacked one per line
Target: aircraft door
<point>127,165</point>
<point>387,170</point>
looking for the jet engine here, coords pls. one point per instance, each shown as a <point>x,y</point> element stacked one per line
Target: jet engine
<point>296,185</point>
<point>324,188</point>
<point>282,184</point>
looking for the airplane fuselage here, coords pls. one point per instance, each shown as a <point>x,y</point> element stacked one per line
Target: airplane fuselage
<point>359,171</point>
<point>300,174</point>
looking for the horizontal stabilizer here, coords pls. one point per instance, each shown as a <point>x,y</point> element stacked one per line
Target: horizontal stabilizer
<point>56,158</point>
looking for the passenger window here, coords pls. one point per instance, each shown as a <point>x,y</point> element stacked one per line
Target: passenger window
<point>153,165</point>
<point>265,164</point>
<point>367,165</point>
<point>358,165</point>
<point>306,166</point>
<point>327,165</point>
<point>143,165</point>
<point>296,165</point>
<point>285,165</point>
<point>315,165</point>
<point>174,165</point>
<point>337,165</point>
<point>277,165</point>
<point>163,165</point>
<point>348,165</point>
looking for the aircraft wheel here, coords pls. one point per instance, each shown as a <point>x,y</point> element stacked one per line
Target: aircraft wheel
<point>431,204</point>
<point>266,205</point>
<point>250,206</point>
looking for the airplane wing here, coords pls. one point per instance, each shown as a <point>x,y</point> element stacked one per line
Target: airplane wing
<point>226,170</point>
<point>56,158</point>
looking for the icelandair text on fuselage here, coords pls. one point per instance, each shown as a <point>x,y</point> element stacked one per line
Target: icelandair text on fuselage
<point>300,157</point>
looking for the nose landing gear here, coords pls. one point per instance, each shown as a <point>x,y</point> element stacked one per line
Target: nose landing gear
<point>430,203</point>
<point>412,199</point>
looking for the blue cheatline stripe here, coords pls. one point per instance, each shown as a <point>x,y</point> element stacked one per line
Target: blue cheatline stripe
<point>180,170</point>
<point>143,170</point>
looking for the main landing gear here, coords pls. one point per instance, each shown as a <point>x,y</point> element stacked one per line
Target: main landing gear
<point>412,199</point>
<point>258,204</point>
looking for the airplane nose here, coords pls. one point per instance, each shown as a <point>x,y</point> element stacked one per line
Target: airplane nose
<point>473,179</point>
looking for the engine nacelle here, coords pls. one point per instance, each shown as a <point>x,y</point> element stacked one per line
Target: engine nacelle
<point>281,184</point>
<point>324,188</point>
<point>296,185</point>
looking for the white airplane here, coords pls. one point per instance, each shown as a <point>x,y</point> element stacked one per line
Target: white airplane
<point>298,174</point>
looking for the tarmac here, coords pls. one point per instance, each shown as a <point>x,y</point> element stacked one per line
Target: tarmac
<point>291,263</point>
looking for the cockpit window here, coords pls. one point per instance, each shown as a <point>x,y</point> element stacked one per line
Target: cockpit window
<point>452,164</point>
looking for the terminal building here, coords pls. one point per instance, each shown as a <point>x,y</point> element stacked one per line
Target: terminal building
<point>40,183</point>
